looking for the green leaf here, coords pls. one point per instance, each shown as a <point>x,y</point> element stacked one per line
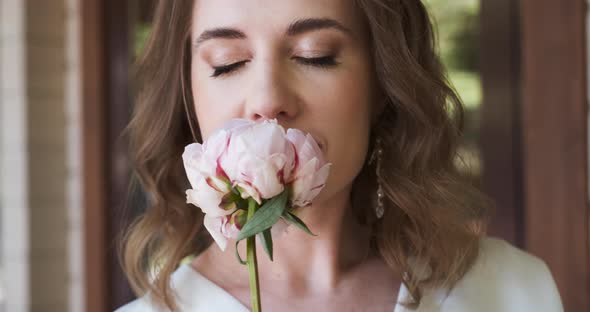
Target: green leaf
<point>291,218</point>
<point>265,217</point>
<point>266,239</point>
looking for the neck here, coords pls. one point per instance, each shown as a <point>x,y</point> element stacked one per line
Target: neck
<point>319,262</point>
<point>311,264</point>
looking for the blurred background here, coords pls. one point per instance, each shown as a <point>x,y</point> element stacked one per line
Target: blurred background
<point>520,66</point>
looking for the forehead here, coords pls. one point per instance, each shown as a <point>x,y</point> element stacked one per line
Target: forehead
<point>271,16</point>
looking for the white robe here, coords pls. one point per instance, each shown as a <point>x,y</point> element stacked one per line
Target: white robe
<point>503,278</point>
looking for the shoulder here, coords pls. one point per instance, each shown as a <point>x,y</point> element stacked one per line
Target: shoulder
<point>182,281</point>
<point>504,278</point>
<point>192,292</point>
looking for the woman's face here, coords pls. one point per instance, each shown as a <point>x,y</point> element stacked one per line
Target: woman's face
<point>304,62</point>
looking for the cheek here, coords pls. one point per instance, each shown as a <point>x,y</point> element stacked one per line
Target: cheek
<point>346,123</point>
<point>211,104</point>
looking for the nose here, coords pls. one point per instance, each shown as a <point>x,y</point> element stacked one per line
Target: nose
<point>271,95</point>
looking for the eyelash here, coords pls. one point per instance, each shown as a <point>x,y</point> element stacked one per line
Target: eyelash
<point>320,62</point>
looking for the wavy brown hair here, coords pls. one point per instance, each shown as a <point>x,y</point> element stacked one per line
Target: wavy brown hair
<point>430,209</point>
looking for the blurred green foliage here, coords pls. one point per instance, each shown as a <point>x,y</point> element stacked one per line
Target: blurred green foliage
<point>457,26</point>
<point>142,31</point>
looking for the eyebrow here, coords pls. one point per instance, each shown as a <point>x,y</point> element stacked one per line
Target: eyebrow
<point>296,28</point>
<point>310,24</point>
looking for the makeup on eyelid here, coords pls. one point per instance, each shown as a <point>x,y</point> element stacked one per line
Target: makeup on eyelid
<point>218,53</point>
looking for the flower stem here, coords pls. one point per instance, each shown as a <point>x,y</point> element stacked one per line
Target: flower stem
<point>252,262</point>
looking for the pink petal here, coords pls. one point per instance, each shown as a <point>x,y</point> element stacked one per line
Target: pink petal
<point>310,150</point>
<point>321,176</point>
<point>267,181</point>
<point>296,136</point>
<point>191,158</point>
<point>230,229</point>
<point>208,199</point>
<point>214,225</point>
<point>247,190</point>
<point>218,185</point>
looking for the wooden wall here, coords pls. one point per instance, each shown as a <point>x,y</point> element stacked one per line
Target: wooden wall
<point>555,140</point>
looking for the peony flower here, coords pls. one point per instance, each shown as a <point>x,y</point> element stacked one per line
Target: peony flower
<point>259,159</point>
<point>312,170</point>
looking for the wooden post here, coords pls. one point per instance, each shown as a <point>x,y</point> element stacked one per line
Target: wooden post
<point>94,166</point>
<point>500,117</point>
<point>555,143</point>
<point>118,43</point>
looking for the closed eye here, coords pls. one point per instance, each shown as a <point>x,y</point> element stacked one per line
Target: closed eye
<point>322,62</point>
<point>226,69</point>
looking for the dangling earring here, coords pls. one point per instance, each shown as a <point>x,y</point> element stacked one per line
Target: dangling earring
<point>377,156</point>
